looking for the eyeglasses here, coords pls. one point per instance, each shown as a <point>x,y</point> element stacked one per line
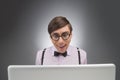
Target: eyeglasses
<point>64,35</point>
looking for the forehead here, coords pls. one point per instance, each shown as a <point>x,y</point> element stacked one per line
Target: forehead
<point>61,30</point>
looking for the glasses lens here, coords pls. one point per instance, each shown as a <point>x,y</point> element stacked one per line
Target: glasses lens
<point>65,35</point>
<point>55,36</point>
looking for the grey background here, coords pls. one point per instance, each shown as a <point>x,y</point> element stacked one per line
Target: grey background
<point>23,30</point>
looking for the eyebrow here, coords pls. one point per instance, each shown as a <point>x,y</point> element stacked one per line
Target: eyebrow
<point>62,32</point>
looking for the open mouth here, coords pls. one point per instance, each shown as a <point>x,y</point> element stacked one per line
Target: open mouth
<point>61,47</point>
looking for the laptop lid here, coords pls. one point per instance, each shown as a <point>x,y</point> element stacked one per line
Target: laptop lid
<point>62,72</point>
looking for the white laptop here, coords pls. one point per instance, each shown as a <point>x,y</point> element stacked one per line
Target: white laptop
<point>62,72</point>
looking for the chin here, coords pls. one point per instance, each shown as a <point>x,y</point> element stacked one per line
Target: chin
<point>62,51</point>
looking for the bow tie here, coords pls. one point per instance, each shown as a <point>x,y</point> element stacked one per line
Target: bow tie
<point>63,54</point>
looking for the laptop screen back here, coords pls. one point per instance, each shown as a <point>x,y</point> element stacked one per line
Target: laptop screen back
<point>62,72</point>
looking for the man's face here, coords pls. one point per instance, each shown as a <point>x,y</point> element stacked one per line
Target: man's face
<point>61,38</point>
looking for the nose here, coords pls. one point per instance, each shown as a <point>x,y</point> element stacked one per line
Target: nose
<point>60,40</point>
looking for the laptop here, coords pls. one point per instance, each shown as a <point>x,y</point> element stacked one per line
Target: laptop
<point>62,72</point>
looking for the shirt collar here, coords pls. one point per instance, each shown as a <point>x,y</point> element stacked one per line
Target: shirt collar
<point>54,49</point>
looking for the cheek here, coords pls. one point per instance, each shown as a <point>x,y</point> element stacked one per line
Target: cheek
<point>53,42</point>
<point>69,40</point>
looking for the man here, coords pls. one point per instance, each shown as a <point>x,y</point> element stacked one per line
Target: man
<point>60,31</point>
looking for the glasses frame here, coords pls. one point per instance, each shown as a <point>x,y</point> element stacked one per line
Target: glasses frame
<point>61,37</point>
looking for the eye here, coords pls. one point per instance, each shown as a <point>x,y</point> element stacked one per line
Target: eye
<point>65,34</point>
<point>55,36</point>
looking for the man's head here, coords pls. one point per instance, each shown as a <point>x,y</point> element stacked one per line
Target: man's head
<point>60,31</point>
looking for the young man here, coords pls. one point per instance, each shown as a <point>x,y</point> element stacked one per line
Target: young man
<point>60,31</point>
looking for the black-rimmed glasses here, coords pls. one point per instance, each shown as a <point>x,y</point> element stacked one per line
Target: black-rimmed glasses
<point>64,36</point>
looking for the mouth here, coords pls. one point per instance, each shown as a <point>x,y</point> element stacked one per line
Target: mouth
<point>62,47</point>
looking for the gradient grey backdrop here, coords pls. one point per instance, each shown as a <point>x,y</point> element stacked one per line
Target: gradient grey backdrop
<point>23,29</point>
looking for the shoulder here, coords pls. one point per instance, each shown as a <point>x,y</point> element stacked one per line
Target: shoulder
<point>82,52</point>
<point>39,52</point>
<point>83,55</point>
<point>76,48</point>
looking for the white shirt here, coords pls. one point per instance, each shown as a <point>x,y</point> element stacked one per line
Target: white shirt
<point>71,58</point>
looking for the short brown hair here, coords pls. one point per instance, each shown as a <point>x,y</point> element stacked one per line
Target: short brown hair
<point>57,23</point>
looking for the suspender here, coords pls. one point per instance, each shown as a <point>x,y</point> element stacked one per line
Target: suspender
<point>79,55</point>
<point>43,56</point>
<point>44,53</point>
